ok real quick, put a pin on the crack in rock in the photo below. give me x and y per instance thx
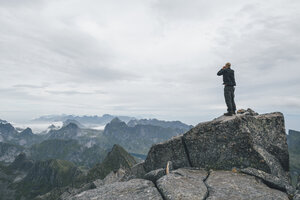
(207, 187)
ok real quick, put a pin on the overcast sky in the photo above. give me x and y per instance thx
(148, 58)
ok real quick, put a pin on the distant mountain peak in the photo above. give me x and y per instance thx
(118, 148)
(69, 131)
(162, 123)
(72, 121)
(3, 121)
(52, 126)
(107, 115)
(85, 120)
(21, 162)
(117, 158)
(72, 126)
(116, 120)
(7, 129)
(27, 131)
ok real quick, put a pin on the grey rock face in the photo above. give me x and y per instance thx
(257, 141)
(184, 184)
(135, 172)
(155, 175)
(135, 189)
(172, 150)
(237, 186)
(270, 180)
(113, 177)
(223, 144)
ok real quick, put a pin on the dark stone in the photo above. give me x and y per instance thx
(155, 175)
(135, 172)
(240, 141)
(172, 150)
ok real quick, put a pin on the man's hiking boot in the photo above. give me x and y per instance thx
(228, 114)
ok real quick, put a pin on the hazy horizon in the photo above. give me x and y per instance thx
(154, 59)
(291, 122)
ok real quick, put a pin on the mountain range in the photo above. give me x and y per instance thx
(85, 146)
(84, 120)
(26, 178)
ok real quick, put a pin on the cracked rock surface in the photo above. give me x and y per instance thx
(237, 186)
(183, 184)
(135, 189)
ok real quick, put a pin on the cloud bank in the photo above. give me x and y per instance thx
(147, 58)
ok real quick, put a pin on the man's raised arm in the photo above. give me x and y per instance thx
(221, 72)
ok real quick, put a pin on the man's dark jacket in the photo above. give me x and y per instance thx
(228, 76)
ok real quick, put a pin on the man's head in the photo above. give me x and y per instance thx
(228, 65)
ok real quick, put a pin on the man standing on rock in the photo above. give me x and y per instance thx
(229, 83)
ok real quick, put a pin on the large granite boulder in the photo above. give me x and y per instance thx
(243, 140)
(135, 189)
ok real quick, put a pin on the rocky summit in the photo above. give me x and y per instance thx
(244, 156)
(257, 141)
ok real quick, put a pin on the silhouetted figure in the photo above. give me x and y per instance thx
(229, 83)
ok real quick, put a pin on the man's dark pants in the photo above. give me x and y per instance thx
(229, 98)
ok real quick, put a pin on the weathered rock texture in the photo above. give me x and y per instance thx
(172, 150)
(257, 141)
(135, 189)
(271, 180)
(229, 185)
(135, 172)
(184, 184)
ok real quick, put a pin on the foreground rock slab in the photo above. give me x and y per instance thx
(184, 184)
(237, 186)
(270, 180)
(135, 189)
